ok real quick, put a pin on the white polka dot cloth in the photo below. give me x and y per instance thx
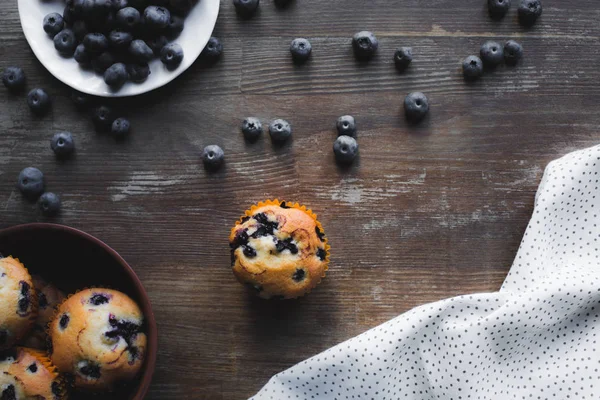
(534, 339)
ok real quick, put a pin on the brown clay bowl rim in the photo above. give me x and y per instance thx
(151, 353)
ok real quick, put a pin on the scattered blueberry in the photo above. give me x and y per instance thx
(213, 157)
(171, 55)
(280, 131)
(62, 144)
(492, 54)
(513, 52)
(345, 149)
(95, 42)
(498, 8)
(39, 102)
(365, 45)
(31, 183)
(346, 125)
(140, 51)
(416, 106)
(472, 67)
(49, 204)
(128, 18)
(53, 23)
(120, 127)
(120, 40)
(101, 62)
(175, 27)
(103, 117)
(403, 57)
(246, 8)
(13, 79)
(252, 129)
(300, 49)
(81, 101)
(116, 76)
(213, 49)
(82, 56)
(529, 11)
(156, 18)
(157, 43)
(80, 29)
(65, 42)
(138, 72)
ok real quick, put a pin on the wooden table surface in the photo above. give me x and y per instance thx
(429, 211)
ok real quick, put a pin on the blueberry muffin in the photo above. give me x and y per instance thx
(96, 336)
(10, 387)
(48, 298)
(279, 249)
(38, 378)
(18, 305)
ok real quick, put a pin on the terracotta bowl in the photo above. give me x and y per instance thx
(73, 260)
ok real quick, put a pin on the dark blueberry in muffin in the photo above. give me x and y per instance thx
(56, 388)
(31, 183)
(62, 144)
(24, 299)
(53, 23)
(345, 149)
(120, 40)
(513, 52)
(103, 117)
(416, 106)
(300, 49)
(157, 43)
(299, 275)
(49, 204)
(249, 251)
(65, 42)
(529, 12)
(171, 56)
(101, 62)
(81, 101)
(13, 78)
(492, 54)
(82, 56)
(322, 254)
(89, 369)
(33, 368)
(9, 393)
(286, 244)
(244, 220)
(283, 204)
(64, 321)
(280, 131)
(472, 67)
(128, 18)
(320, 234)
(213, 157)
(175, 27)
(246, 8)
(116, 75)
(99, 299)
(138, 72)
(346, 125)
(365, 45)
(213, 49)
(402, 58)
(120, 128)
(156, 19)
(241, 238)
(252, 129)
(140, 51)
(498, 8)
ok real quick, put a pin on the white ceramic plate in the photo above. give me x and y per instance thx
(198, 28)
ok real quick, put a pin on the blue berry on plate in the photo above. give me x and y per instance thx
(246, 8)
(213, 157)
(81, 101)
(13, 78)
(80, 29)
(82, 56)
(120, 40)
(498, 8)
(252, 129)
(402, 58)
(101, 9)
(213, 49)
(62, 144)
(157, 43)
(156, 18)
(49, 204)
(345, 149)
(365, 45)
(300, 49)
(116, 75)
(181, 7)
(95, 42)
(38, 101)
(140, 51)
(103, 117)
(31, 183)
(171, 55)
(513, 52)
(175, 27)
(119, 4)
(120, 127)
(65, 42)
(472, 67)
(346, 125)
(280, 131)
(53, 23)
(529, 12)
(69, 15)
(101, 62)
(492, 53)
(416, 106)
(128, 18)
(138, 72)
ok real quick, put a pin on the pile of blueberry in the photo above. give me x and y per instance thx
(118, 38)
(491, 55)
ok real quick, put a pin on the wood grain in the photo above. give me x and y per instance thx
(427, 212)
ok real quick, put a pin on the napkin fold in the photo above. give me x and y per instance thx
(536, 338)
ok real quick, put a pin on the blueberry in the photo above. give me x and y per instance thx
(513, 52)
(119, 4)
(345, 149)
(299, 275)
(213, 49)
(49, 204)
(128, 18)
(138, 72)
(416, 106)
(213, 157)
(80, 29)
(246, 8)
(116, 75)
(402, 58)
(102, 9)
(280, 131)
(69, 15)
(82, 56)
(64, 321)
(39, 102)
(98, 299)
(175, 27)
(103, 117)
(13, 79)
(81, 101)
(171, 55)
(31, 183)
(65, 42)
(529, 11)
(300, 49)
(472, 67)
(498, 8)
(140, 51)
(492, 54)
(252, 129)
(365, 44)
(62, 144)
(157, 43)
(53, 23)
(86, 9)
(120, 127)
(120, 40)
(156, 18)
(346, 125)
(101, 62)
(95, 43)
